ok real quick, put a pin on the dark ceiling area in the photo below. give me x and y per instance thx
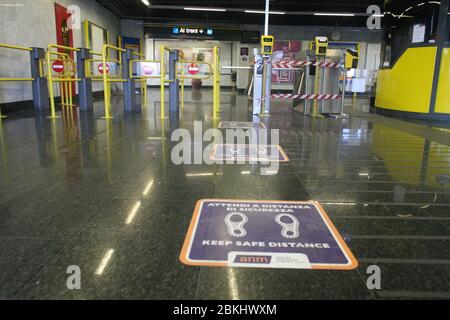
(297, 12)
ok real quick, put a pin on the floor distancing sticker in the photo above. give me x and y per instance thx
(249, 152)
(240, 125)
(264, 234)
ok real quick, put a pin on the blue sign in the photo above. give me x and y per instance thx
(175, 30)
(209, 32)
(249, 152)
(264, 234)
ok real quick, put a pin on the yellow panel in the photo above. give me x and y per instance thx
(443, 93)
(408, 85)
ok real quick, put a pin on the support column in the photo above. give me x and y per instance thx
(85, 101)
(39, 84)
(130, 101)
(174, 87)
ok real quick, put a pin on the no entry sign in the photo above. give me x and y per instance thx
(264, 234)
(193, 68)
(100, 68)
(58, 66)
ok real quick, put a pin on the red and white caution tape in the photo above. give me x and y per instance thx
(307, 96)
(301, 63)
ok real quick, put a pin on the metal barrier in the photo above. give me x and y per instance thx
(107, 79)
(56, 66)
(67, 66)
(143, 81)
(6, 46)
(65, 80)
(182, 65)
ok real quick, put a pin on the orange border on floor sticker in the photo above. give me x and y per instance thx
(184, 256)
(262, 125)
(280, 149)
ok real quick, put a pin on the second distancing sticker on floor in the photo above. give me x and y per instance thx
(264, 234)
(240, 125)
(248, 152)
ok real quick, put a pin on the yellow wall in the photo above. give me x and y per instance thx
(443, 93)
(397, 149)
(389, 143)
(408, 85)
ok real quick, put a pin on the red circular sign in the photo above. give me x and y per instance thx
(100, 68)
(58, 66)
(193, 68)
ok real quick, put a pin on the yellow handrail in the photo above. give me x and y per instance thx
(16, 79)
(8, 46)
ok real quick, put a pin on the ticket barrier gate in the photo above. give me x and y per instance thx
(65, 77)
(189, 70)
(56, 66)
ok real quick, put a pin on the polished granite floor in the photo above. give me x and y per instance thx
(67, 188)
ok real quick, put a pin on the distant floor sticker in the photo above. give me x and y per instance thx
(264, 234)
(240, 125)
(249, 152)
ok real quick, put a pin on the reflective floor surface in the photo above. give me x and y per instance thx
(105, 196)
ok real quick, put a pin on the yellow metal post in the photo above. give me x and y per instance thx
(105, 84)
(163, 80)
(86, 34)
(216, 89)
(50, 87)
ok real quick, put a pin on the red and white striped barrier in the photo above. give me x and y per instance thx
(307, 96)
(301, 63)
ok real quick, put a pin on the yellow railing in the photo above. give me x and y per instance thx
(8, 46)
(66, 80)
(107, 79)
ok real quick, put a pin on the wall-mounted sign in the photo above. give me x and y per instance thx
(194, 31)
(418, 33)
(189, 32)
(244, 51)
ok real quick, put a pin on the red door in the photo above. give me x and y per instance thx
(64, 35)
